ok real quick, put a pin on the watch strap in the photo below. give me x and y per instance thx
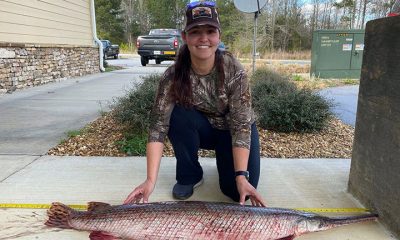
(242, 173)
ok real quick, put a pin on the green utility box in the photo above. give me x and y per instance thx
(337, 53)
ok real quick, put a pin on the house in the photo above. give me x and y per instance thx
(44, 41)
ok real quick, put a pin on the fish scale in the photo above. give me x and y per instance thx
(193, 220)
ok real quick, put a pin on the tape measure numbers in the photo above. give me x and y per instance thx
(84, 207)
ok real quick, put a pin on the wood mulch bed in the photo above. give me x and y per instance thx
(99, 137)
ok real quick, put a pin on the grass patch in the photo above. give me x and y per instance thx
(299, 74)
(133, 145)
(283, 55)
(74, 133)
(320, 83)
(111, 68)
(297, 78)
(351, 81)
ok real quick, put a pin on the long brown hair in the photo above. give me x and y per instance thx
(181, 89)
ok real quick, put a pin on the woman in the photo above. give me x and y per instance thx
(203, 101)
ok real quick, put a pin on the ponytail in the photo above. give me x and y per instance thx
(181, 89)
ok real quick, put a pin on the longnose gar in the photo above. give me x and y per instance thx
(192, 220)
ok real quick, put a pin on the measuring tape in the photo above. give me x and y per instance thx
(84, 207)
(334, 210)
(38, 206)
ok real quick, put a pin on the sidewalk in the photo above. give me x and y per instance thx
(287, 183)
(34, 120)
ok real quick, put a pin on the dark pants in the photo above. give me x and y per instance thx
(189, 131)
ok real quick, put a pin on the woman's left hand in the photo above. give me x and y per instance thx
(246, 189)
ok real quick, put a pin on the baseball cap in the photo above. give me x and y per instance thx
(201, 13)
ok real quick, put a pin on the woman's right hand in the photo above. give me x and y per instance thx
(143, 191)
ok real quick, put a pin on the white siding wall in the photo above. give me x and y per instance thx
(46, 22)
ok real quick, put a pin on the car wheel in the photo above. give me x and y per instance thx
(116, 56)
(144, 61)
(158, 61)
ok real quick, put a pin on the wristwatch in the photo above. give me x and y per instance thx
(242, 173)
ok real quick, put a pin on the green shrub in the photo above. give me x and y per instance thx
(134, 145)
(133, 111)
(127, 48)
(281, 106)
(266, 82)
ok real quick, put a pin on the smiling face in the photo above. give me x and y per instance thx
(202, 42)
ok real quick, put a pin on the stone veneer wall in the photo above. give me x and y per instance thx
(23, 65)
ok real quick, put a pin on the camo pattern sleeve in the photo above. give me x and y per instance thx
(241, 114)
(162, 109)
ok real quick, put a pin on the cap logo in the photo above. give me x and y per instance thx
(199, 12)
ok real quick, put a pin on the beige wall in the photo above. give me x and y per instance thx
(46, 22)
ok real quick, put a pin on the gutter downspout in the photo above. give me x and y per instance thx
(93, 17)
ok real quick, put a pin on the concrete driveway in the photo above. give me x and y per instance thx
(34, 120)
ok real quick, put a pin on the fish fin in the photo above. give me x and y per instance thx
(96, 206)
(287, 238)
(98, 235)
(59, 215)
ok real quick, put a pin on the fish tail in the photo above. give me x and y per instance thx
(339, 221)
(59, 215)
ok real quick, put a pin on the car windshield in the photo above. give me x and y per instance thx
(104, 43)
(164, 32)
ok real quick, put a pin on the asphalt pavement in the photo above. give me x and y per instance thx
(345, 101)
(35, 119)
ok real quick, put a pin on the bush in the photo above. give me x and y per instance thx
(269, 82)
(133, 145)
(133, 109)
(127, 48)
(281, 106)
(133, 112)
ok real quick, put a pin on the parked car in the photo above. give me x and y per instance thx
(395, 10)
(110, 50)
(159, 44)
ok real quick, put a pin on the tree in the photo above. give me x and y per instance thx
(231, 21)
(347, 19)
(364, 9)
(165, 14)
(108, 20)
(380, 8)
(282, 25)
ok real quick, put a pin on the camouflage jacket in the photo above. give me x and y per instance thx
(229, 109)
